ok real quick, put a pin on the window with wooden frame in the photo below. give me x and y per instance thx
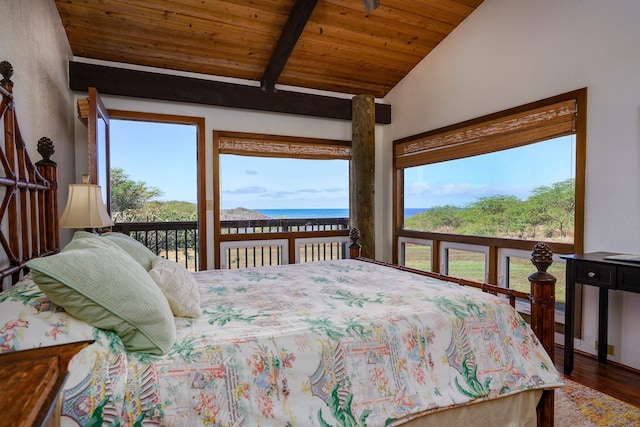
(169, 149)
(502, 181)
(252, 171)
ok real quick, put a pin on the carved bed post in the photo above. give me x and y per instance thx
(10, 201)
(543, 318)
(354, 246)
(49, 208)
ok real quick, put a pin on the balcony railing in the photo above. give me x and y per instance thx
(177, 240)
(282, 225)
(247, 243)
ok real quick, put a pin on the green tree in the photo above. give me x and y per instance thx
(554, 206)
(131, 201)
(445, 219)
(549, 208)
(491, 216)
(128, 197)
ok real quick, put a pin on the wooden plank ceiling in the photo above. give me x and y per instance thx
(340, 48)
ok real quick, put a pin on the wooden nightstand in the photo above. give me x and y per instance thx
(30, 383)
(596, 269)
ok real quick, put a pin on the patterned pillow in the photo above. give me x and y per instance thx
(178, 285)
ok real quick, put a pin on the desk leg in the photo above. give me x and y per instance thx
(603, 319)
(569, 316)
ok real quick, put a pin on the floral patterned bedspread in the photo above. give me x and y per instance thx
(331, 343)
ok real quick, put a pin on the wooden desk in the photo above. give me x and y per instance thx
(593, 270)
(30, 382)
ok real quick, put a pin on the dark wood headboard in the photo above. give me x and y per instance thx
(28, 193)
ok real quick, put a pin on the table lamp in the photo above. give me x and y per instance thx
(85, 208)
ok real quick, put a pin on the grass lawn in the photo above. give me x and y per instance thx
(471, 265)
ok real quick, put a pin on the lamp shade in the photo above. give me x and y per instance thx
(85, 208)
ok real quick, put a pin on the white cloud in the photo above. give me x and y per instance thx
(420, 187)
(246, 190)
(422, 194)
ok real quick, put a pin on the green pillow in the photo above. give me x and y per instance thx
(97, 240)
(109, 290)
(137, 250)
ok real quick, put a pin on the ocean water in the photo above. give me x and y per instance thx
(305, 213)
(320, 213)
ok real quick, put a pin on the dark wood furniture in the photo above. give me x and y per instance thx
(594, 270)
(31, 381)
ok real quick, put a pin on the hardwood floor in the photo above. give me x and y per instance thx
(615, 380)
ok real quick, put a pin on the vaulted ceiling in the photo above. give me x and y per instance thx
(332, 45)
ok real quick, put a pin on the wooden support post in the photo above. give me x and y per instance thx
(543, 318)
(362, 176)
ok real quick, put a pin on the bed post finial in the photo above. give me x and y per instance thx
(6, 69)
(543, 303)
(45, 148)
(542, 256)
(354, 246)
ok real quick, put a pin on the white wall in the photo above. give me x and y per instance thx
(33, 40)
(511, 52)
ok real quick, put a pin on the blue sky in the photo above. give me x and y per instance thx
(164, 156)
(272, 183)
(510, 172)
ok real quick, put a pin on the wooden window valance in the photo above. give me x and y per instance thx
(500, 133)
(245, 144)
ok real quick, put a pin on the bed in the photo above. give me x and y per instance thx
(349, 342)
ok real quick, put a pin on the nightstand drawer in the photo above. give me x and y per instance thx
(628, 279)
(590, 273)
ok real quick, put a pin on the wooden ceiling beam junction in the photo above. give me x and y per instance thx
(300, 14)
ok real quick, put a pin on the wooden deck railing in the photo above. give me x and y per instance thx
(274, 225)
(247, 243)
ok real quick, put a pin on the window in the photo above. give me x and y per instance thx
(465, 261)
(157, 183)
(141, 153)
(500, 182)
(415, 253)
(290, 186)
(498, 194)
(515, 267)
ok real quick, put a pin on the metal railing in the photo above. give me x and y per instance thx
(246, 243)
(294, 247)
(176, 240)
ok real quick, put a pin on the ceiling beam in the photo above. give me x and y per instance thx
(167, 87)
(298, 18)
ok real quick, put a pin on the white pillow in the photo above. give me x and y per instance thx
(178, 285)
